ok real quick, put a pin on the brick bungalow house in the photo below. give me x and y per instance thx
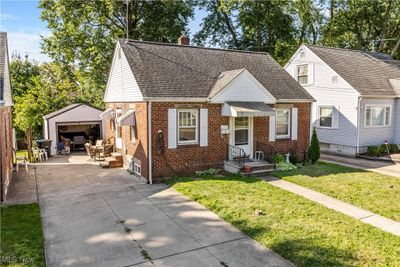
(200, 107)
(6, 130)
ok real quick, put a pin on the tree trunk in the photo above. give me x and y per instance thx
(396, 47)
(331, 9)
(29, 143)
(383, 33)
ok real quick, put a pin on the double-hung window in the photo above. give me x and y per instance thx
(378, 116)
(118, 113)
(282, 123)
(325, 117)
(302, 74)
(187, 126)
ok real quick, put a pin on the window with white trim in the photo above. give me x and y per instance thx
(137, 169)
(118, 129)
(132, 130)
(378, 116)
(283, 123)
(325, 116)
(302, 74)
(187, 126)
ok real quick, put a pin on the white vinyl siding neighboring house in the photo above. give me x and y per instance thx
(122, 85)
(329, 92)
(369, 135)
(347, 133)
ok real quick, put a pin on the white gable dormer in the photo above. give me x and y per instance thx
(122, 85)
(240, 85)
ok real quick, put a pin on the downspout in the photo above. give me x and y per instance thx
(149, 143)
(358, 125)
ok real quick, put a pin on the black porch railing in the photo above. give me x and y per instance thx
(237, 154)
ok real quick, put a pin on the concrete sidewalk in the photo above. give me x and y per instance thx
(107, 217)
(365, 216)
(382, 167)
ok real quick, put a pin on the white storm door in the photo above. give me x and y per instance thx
(243, 132)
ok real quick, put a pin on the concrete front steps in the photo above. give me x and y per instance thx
(115, 161)
(257, 168)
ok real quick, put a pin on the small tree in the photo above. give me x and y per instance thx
(313, 150)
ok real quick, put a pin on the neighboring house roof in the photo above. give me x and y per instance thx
(168, 70)
(5, 83)
(367, 72)
(60, 111)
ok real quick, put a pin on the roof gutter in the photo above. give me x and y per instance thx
(379, 96)
(175, 99)
(295, 100)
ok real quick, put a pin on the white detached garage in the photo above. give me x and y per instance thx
(78, 122)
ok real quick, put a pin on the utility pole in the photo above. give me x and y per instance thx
(127, 19)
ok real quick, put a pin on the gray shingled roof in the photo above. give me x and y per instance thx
(62, 110)
(367, 72)
(168, 70)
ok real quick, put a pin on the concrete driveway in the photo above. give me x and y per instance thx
(106, 217)
(388, 168)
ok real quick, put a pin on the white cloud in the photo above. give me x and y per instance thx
(5, 17)
(24, 42)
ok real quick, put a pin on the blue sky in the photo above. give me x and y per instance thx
(21, 20)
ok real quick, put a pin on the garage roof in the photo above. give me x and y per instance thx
(64, 109)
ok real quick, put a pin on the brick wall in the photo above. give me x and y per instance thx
(5, 148)
(261, 133)
(186, 159)
(139, 148)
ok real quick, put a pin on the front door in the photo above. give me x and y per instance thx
(243, 132)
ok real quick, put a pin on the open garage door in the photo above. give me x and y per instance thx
(76, 134)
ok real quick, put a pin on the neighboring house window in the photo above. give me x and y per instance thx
(282, 123)
(302, 74)
(187, 126)
(118, 128)
(325, 116)
(133, 133)
(137, 169)
(378, 116)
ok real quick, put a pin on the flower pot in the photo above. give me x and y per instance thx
(247, 169)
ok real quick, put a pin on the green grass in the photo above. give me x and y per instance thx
(21, 236)
(372, 191)
(301, 231)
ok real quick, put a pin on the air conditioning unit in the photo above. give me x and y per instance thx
(130, 165)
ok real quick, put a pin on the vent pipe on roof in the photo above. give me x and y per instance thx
(184, 39)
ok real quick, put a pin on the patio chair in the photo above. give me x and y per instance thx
(62, 149)
(18, 160)
(99, 143)
(78, 141)
(90, 151)
(35, 154)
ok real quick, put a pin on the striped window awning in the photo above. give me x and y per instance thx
(127, 119)
(107, 114)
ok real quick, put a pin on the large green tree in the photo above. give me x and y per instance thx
(83, 33)
(22, 73)
(46, 92)
(361, 24)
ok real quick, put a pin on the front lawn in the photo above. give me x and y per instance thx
(301, 231)
(21, 236)
(372, 191)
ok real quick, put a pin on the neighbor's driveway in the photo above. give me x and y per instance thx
(106, 217)
(388, 168)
